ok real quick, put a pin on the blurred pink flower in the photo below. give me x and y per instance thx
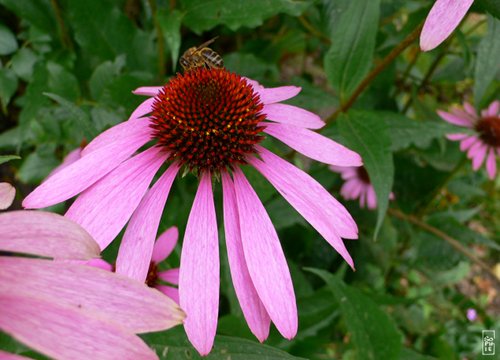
(66, 310)
(471, 314)
(7, 195)
(210, 122)
(482, 141)
(357, 185)
(443, 18)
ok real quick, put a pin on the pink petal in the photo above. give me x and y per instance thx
(274, 95)
(148, 90)
(494, 108)
(362, 198)
(136, 248)
(371, 198)
(468, 142)
(314, 145)
(469, 109)
(104, 209)
(65, 332)
(254, 311)
(112, 297)
(144, 108)
(454, 119)
(352, 188)
(456, 137)
(170, 291)
(443, 18)
(45, 234)
(127, 131)
(100, 264)
(165, 244)
(308, 197)
(199, 270)
(474, 149)
(265, 259)
(478, 158)
(171, 276)
(89, 169)
(73, 156)
(8, 356)
(292, 115)
(7, 195)
(491, 164)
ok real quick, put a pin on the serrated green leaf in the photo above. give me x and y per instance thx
(103, 75)
(174, 345)
(170, 24)
(406, 132)
(205, 15)
(62, 82)
(23, 62)
(487, 60)
(8, 42)
(374, 333)
(36, 167)
(367, 134)
(8, 86)
(5, 158)
(353, 43)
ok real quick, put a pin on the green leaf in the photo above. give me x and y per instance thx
(8, 86)
(62, 82)
(492, 6)
(8, 42)
(205, 15)
(406, 132)
(170, 24)
(103, 76)
(37, 12)
(174, 345)
(6, 158)
(36, 167)
(23, 62)
(374, 334)
(366, 133)
(487, 60)
(353, 42)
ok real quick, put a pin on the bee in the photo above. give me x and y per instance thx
(201, 56)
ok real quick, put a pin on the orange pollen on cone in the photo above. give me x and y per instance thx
(489, 130)
(208, 119)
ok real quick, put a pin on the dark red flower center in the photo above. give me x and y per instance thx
(489, 130)
(152, 277)
(363, 174)
(207, 119)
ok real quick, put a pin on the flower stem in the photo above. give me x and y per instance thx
(63, 32)
(160, 40)
(450, 240)
(377, 70)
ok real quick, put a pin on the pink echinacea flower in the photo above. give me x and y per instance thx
(443, 18)
(482, 141)
(209, 122)
(357, 185)
(67, 310)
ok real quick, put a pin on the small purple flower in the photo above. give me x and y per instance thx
(471, 314)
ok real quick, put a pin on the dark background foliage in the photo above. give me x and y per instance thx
(67, 69)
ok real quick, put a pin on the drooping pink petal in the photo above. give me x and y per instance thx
(371, 198)
(274, 95)
(73, 156)
(165, 244)
(474, 149)
(136, 248)
(112, 297)
(494, 108)
(7, 195)
(134, 129)
(45, 234)
(362, 198)
(478, 158)
(64, 332)
(104, 209)
(80, 175)
(170, 291)
(292, 115)
(265, 259)
(254, 311)
(148, 90)
(199, 270)
(8, 356)
(171, 276)
(454, 119)
(443, 18)
(352, 188)
(491, 164)
(466, 143)
(469, 109)
(329, 217)
(456, 137)
(144, 108)
(314, 145)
